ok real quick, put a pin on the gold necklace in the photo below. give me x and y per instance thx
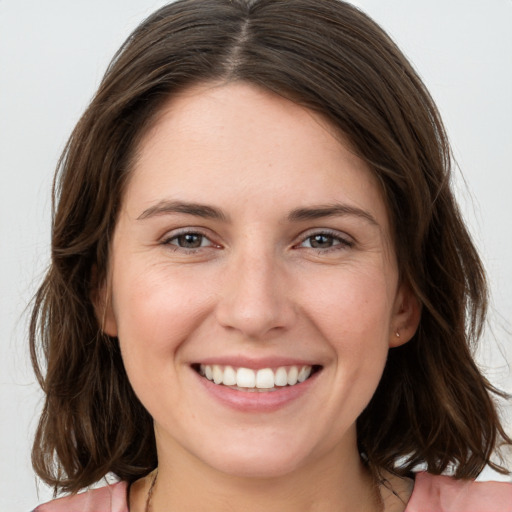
(150, 492)
(147, 508)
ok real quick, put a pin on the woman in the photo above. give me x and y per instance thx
(262, 294)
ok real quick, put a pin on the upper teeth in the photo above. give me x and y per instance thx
(264, 378)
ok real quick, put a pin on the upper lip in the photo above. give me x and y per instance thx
(256, 363)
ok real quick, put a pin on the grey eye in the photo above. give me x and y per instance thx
(322, 241)
(190, 241)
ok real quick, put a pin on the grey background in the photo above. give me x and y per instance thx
(52, 56)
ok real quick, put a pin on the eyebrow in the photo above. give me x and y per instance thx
(168, 207)
(330, 210)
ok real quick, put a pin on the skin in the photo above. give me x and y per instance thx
(259, 285)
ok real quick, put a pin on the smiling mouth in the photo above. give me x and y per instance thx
(262, 380)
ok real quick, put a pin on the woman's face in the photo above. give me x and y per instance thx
(252, 245)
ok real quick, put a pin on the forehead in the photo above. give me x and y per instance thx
(213, 140)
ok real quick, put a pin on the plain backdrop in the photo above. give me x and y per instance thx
(52, 56)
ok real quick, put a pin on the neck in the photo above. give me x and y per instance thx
(338, 482)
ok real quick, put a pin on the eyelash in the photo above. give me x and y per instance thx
(338, 242)
(187, 232)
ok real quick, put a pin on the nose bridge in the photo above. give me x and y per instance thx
(254, 300)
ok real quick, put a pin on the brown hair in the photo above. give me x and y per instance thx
(432, 404)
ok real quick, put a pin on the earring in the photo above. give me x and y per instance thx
(397, 334)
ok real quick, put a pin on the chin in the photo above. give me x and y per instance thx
(257, 459)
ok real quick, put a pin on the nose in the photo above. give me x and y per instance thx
(256, 299)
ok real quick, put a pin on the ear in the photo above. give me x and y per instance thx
(101, 298)
(406, 316)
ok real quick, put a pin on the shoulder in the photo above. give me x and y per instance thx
(111, 498)
(445, 494)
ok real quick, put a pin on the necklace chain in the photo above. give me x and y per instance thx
(147, 508)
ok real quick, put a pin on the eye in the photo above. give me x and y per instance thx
(188, 240)
(325, 240)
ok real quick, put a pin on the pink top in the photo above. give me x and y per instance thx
(431, 494)
(444, 494)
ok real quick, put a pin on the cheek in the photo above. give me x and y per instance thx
(155, 312)
(354, 316)
(354, 308)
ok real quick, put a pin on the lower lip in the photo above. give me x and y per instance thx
(257, 401)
